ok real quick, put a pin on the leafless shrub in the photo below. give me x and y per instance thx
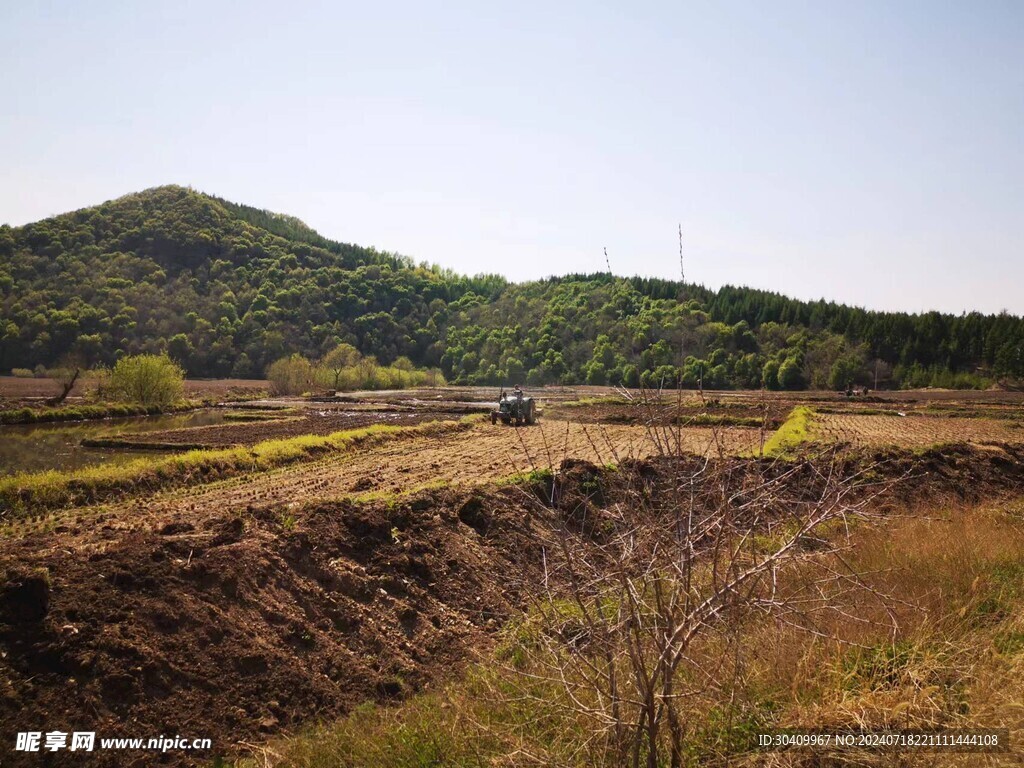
(651, 575)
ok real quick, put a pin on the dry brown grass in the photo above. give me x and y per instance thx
(944, 649)
(953, 656)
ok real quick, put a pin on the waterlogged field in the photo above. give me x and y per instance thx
(58, 445)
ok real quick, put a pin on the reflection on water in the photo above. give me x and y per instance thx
(37, 447)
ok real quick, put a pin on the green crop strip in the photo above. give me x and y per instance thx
(796, 430)
(25, 494)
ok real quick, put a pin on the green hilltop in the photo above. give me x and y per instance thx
(226, 289)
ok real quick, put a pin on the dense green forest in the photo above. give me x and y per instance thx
(227, 289)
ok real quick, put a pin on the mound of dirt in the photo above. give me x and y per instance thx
(251, 624)
(965, 472)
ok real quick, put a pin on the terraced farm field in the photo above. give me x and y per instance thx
(468, 457)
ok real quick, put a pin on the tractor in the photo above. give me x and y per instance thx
(516, 409)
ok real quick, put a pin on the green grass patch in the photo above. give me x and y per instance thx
(878, 668)
(855, 411)
(1009, 643)
(729, 730)
(1008, 574)
(25, 494)
(86, 412)
(722, 420)
(257, 415)
(392, 498)
(530, 477)
(795, 431)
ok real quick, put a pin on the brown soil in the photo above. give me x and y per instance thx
(686, 412)
(914, 430)
(409, 462)
(251, 432)
(245, 624)
(559, 394)
(239, 624)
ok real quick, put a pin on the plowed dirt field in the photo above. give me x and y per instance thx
(466, 457)
(914, 431)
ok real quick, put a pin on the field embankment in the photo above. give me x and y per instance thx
(946, 651)
(88, 412)
(244, 624)
(243, 620)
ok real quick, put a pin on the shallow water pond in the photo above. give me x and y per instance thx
(57, 445)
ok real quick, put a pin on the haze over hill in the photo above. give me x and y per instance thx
(226, 289)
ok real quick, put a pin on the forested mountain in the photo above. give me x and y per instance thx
(226, 289)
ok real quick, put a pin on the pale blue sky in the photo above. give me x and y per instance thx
(868, 152)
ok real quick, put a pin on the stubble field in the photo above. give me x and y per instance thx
(915, 431)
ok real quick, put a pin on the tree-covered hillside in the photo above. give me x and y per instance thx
(227, 289)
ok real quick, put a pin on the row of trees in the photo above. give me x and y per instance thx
(345, 369)
(227, 290)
